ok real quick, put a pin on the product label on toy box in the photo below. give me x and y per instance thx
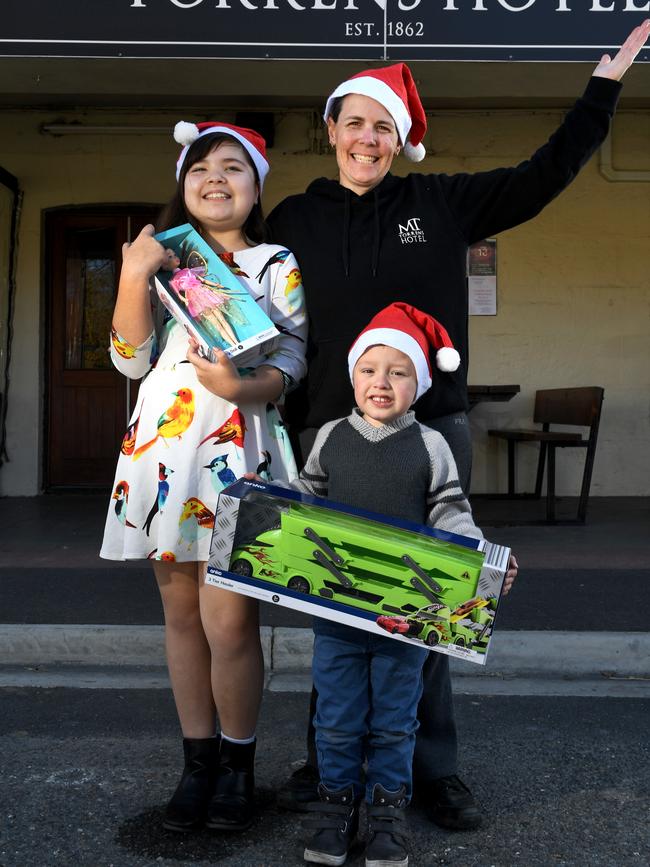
(393, 578)
(210, 302)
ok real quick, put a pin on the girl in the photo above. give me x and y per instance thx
(197, 426)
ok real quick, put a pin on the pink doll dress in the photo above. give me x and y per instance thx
(199, 298)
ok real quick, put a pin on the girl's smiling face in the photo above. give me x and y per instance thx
(220, 190)
(366, 142)
(385, 384)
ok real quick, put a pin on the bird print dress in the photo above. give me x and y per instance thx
(183, 444)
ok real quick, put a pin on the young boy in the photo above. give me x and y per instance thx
(378, 458)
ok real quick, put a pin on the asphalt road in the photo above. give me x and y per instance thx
(565, 782)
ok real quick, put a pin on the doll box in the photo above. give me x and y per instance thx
(211, 302)
(390, 577)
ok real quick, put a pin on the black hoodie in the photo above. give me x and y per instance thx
(407, 240)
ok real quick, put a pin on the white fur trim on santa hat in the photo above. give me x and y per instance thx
(191, 133)
(447, 359)
(398, 340)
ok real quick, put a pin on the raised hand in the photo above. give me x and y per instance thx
(616, 67)
(144, 256)
(140, 260)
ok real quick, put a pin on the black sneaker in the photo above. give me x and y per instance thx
(335, 826)
(450, 804)
(386, 846)
(300, 789)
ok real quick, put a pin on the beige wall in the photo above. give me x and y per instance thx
(573, 285)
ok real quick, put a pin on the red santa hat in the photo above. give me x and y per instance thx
(394, 88)
(412, 332)
(187, 133)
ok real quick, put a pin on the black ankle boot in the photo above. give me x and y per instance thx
(386, 844)
(188, 807)
(233, 806)
(335, 826)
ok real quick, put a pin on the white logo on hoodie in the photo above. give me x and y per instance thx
(411, 233)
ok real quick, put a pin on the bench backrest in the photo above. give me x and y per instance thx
(579, 406)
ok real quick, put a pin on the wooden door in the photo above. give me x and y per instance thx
(88, 401)
(10, 197)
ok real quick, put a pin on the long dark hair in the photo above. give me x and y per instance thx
(175, 213)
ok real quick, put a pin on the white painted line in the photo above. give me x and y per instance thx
(603, 687)
(85, 677)
(130, 677)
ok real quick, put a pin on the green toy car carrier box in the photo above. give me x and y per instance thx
(387, 576)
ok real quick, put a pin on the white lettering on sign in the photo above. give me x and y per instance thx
(402, 5)
(360, 28)
(450, 6)
(562, 5)
(510, 8)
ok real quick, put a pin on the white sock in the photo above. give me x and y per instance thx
(238, 740)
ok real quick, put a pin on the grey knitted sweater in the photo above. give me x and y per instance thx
(401, 469)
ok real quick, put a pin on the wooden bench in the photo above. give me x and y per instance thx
(566, 406)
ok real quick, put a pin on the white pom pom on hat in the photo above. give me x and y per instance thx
(415, 153)
(187, 133)
(414, 333)
(447, 359)
(394, 88)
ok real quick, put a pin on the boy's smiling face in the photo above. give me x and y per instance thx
(385, 384)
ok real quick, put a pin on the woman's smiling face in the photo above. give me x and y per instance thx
(366, 142)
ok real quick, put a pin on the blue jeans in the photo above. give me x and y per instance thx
(368, 692)
(437, 743)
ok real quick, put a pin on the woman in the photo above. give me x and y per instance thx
(368, 237)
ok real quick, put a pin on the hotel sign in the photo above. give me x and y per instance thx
(555, 30)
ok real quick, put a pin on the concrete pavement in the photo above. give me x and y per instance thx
(576, 610)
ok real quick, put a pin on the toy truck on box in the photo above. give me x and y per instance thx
(419, 587)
